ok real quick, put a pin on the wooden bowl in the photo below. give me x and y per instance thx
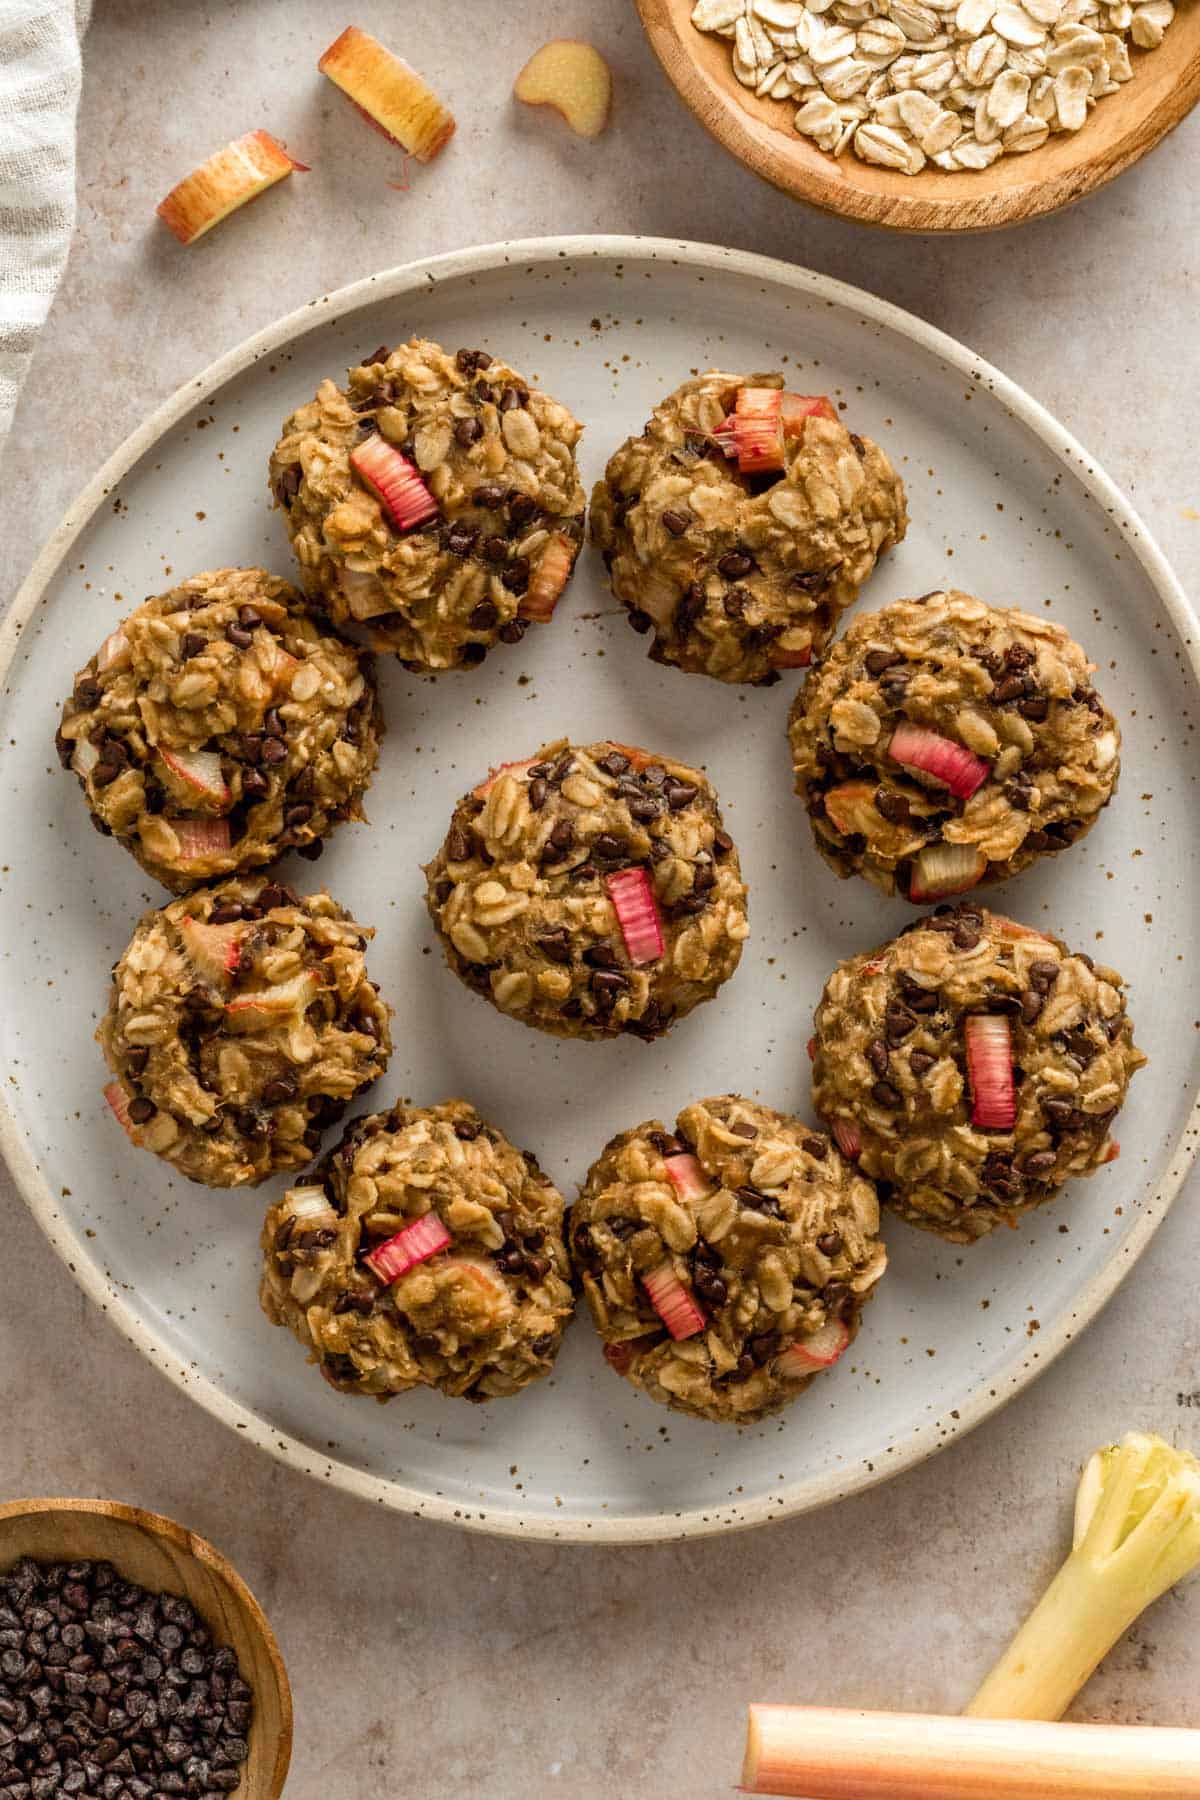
(162, 1557)
(760, 133)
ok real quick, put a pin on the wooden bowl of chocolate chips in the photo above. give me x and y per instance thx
(1147, 83)
(134, 1660)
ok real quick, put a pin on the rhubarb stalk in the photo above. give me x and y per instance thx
(1137, 1532)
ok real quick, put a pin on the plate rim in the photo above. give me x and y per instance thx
(805, 1494)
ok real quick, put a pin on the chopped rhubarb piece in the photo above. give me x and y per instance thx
(307, 1204)
(84, 758)
(847, 1137)
(795, 408)
(199, 838)
(944, 869)
(1112, 1153)
(638, 759)
(672, 1302)
(690, 1181)
(792, 659)
(619, 1356)
(811, 1047)
(852, 808)
(757, 430)
(1009, 928)
(516, 769)
(637, 914)
(238, 172)
(254, 1012)
(416, 1243)
(574, 79)
(394, 482)
(953, 764)
(198, 773)
(819, 1351)
(214, 951)
(388, 93)
(548, 580)
(990, 1071)
(114, 652)
(118, 1099)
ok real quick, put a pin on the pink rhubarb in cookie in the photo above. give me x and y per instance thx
(688, 1178)
(416, 1243)
(637, 915)
(672, 1302)
(940, 757)
(990, 1071)
(548, 580)
(820, 1350)
(942, 870)
(394, 481)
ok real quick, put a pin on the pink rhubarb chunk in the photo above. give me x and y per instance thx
(672, 1302)
(416, 1243)
(214, 951)
(618, 1356)
(990, 1071)
(637, 914)
(199, 772)
(689, 1179)
(515, 769)
(847, 1138)
(118, 1099)
(254, 1012)
(199, 838)
(756, 428)
(795, 408)
(959, 768)
(792, 659)
(548, 580)
(820, 1351)
(394, 482)
(944, 869)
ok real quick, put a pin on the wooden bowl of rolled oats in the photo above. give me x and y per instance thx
(932, 115)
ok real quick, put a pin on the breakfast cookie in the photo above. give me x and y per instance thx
(971, 1067)
(221, 725)
(240, 1023)
(423, 1251)
(944, 743)
(434, 500)
(728, 1261)
(741, 523)
(590, 891)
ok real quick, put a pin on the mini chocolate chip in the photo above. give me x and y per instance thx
(744, 1129)
(641, 621)
(562, 836)
(141, 1109)
(1040, 1162)
(675, 522)
(483, 616)
(466, 431)
(1036, 710)
(311, 852)
(191, 644)
(514, 630)
(298, 815)
(884, 1094)
(919, 1061)
(893, 807)
(879, 660)
(521, 507)
(488, 495)
(1011, 688)
(877, 1056)
(278, 1093)
(610, 848)
(274, 750)
(734, 564)
(239, 636)
(829, 1243)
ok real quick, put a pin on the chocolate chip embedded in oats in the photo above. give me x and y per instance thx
(240, 1021)
(496, 458)
(725, 1264)
(949, 1158)
(968, 779)
(190, 745)
(590, 891)
(677, 522)
(457, 1280)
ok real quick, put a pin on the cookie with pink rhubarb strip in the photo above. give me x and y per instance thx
(433, 502)
(944, 743)
(741, 523)
(240, 1023)
(221, 725)
(424, 1250)
(972, 1066)
(726, 1263)
(590, 891)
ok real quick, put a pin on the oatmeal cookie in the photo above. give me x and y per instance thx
(240, 1023)
(590, 891)
(944, 743)
(727, 1262)
(434, 500)
(972, 1066)
(423, 1251)
(221, 725)
(741, 523)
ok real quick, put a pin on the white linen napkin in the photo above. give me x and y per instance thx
(39, 94)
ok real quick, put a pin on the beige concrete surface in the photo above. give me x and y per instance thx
(442, 1667)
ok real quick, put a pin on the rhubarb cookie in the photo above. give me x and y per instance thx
(972, 1066)
(728, 1261)
(240, 1023)
(423, 1251)
(590, 891)
(945, 743)
(221, 725)
(741, 523)
(434, 500)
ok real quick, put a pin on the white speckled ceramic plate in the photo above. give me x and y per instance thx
(1003, 503)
